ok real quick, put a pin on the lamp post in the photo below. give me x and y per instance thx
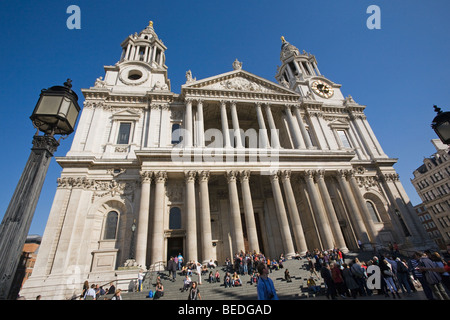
(56, 112)
(441, 125)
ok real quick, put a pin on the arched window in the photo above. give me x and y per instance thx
(111, 225)
(373, 212)
(175, 218)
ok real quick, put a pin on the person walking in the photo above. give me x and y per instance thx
(172, 267)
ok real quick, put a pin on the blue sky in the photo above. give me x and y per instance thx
(399, 71)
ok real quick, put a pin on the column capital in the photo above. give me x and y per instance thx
(274, 176)
(285, 175)
(200, 100)
(146, 176)
(160, 176)
(309, 174)
(189, 176)
(231, 175)
(244, 175)
(203, 176)
(341, 173)
(189, 100)
(320, 174)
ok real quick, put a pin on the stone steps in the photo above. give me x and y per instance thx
(296, 289)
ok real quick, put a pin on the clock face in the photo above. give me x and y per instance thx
(322, 89)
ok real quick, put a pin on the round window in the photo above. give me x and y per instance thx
(134, 75)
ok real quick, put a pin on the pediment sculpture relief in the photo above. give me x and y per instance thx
(239, 84)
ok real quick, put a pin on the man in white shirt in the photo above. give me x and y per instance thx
(90, 293)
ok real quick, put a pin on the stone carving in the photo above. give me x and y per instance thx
(237, 65)
(100, 83)
(189, 78)
(239, 84)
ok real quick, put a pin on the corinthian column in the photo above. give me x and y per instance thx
(157, 255)
(205, 219)
(263, 136)
(282, 217)
(201, 125)
(236, 128)
(224, 120)
(188, 124)
(293, 212)
(293, 128)
(249, 213)
(191, 219)
(275, 141)
(144, 213)
(332, 217)
(362, 204)
(322, 222)
(302, 127)
(354, 214)
(237, 232)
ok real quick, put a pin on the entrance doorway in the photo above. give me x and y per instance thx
(174, 247)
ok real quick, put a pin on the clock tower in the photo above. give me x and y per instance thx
(299, 72)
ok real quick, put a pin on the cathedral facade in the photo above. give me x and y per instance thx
(233, 163)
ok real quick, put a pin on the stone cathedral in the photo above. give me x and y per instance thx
(233, 163)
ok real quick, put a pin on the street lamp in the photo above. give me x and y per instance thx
(441, 125)
(56, 112)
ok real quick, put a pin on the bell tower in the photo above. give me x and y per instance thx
(299, 72)
(141, 65)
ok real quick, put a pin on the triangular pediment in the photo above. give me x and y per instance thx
(126, 115)
(239, 80)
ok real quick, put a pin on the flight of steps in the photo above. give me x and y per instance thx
(297, 289)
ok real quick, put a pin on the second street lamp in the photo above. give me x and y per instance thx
(441, 125)
(55, 113)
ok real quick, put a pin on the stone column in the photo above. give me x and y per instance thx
(357, 223)
(201, 125)
(297, 227)
(237, 232)
(362, 204)
(293, 128)
(236, 128)
(205, 217)
(302, 127)
(191, 217)
(249, 213)
(188, 124)
(275, 141)
(157, 254)
(263, 136)
(144, 213)
(224, 120)
(332, 217)
(322, 222)
(282, 217)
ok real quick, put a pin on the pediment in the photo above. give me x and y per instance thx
(126, 115)
(239, 80)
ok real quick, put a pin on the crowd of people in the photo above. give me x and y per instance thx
(97, 292)
(426, 270)
(343, 277)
